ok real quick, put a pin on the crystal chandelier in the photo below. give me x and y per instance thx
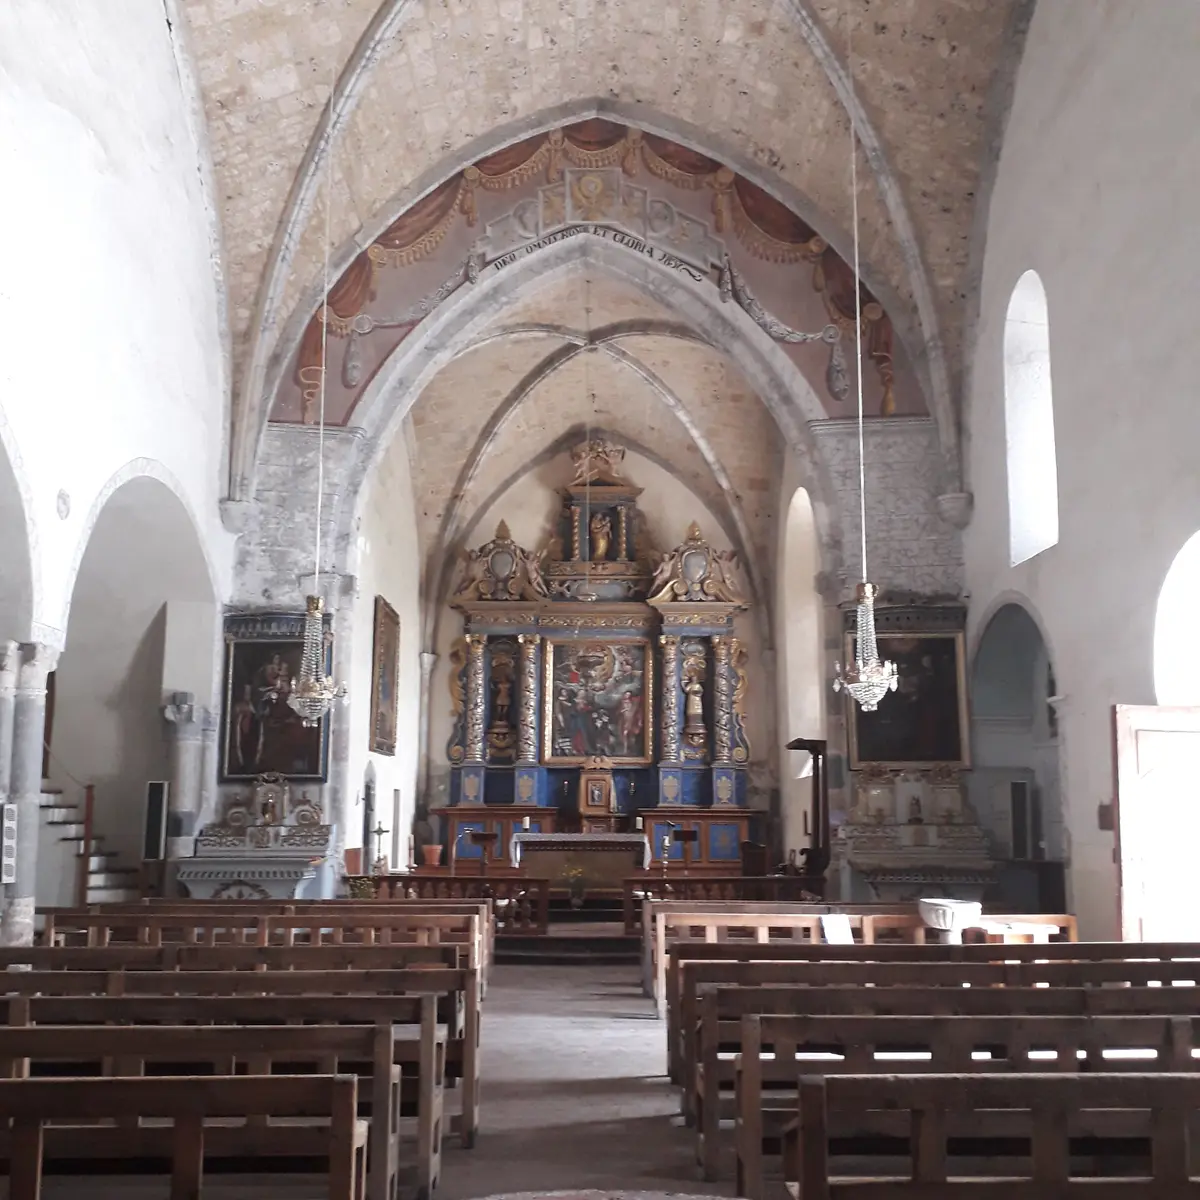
(869, 679)
(313, 693)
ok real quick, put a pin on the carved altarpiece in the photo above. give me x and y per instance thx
(600, 650)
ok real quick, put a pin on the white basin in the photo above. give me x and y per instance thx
(950, 917)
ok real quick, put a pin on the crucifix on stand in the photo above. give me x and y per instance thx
(380, 866)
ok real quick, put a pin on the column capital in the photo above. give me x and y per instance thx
(529, 639)
(10, 658)
(36, 661)
(428, 662)
(477, 640)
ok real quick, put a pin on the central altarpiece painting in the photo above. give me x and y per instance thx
(599, 686)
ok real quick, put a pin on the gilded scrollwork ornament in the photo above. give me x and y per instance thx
(739, 658)
(457, 683)
(695, 572)
(500, 570)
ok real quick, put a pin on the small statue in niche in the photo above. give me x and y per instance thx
(914, 811)
(501, 736)
(600, 531)
(694, 730)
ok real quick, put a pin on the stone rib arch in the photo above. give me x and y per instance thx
(458, 323)
(137, 468)
(604, 341)
(267, 362)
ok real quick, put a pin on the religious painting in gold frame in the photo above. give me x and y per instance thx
(384, 678)
(923, 723)
(598, 702)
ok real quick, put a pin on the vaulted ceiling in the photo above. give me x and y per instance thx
(426, 86)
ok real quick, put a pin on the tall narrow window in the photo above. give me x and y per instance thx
(1029, 423)
(1174, 642)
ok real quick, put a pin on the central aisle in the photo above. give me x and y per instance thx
(574, 1090)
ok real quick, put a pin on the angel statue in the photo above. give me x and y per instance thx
(597, 461)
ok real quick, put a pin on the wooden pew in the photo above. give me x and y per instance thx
(1046, 1109)
(777, 1050)
(765, 925)
(678, 953)
(67, 997)
(182, 957)
(521, 903)
(702, 890)
(32, 1105)
(206, 928)
(367, 1051)
(484, 906)
(668, 922)
(696, 975)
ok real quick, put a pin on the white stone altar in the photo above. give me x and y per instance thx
(910, 834)
(267, 848)
(580, 842)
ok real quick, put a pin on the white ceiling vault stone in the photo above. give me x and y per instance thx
(760, 84)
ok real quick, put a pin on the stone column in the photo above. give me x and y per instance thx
(670, 698)
(723, 701)
(9, 658)
(527, 749)
(428, 662)
(210, 763)
(25, 782)
(476, 701)
(185, 757)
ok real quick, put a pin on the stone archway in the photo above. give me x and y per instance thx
(1015, 784)
(143, 631)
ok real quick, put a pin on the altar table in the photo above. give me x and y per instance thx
(596, 861)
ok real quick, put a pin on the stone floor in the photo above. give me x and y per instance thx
(574, 1097)
(575, 1094)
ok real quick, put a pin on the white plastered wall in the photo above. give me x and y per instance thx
(800, 655)
(389, 566)
(1095, 188)
(109, 289)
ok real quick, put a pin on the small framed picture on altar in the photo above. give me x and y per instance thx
(598, 701)
(923, 723)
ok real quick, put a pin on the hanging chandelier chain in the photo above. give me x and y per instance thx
(862, 457)
(324, 342)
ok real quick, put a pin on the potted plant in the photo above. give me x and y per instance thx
(573, 876)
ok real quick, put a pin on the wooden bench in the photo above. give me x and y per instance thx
(367, 1051)
(899, 952)
(701, 891)
(521, 904)
(883, 976)
(60, 918)
(669, 923)
(182, 957)
(1045, 1110)
(92, 998)
(193, 1106)
(777, 1050)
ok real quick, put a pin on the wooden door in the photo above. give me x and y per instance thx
(1157, 821)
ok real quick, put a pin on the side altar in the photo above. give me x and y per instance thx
(600, 682)
(269, 846)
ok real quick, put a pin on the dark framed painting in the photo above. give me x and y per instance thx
(923, 723)
(598, 700)
(260, 732)
(385, 670)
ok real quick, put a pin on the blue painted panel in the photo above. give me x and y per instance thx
(723, 841)
(465, 847)
(695, 787)
(657, 831)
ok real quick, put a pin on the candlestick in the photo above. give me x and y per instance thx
(638, 824)
(411, 850)
(525, 823)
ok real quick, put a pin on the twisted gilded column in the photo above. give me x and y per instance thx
(476, 645)
(527, 749)
(670, 699)
(723, 700)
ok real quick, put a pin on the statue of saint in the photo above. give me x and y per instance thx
(600, 530)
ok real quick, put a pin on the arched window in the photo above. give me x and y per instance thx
(1029, 423)
(1174, 656)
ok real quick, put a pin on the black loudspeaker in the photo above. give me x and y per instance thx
(154, 837)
